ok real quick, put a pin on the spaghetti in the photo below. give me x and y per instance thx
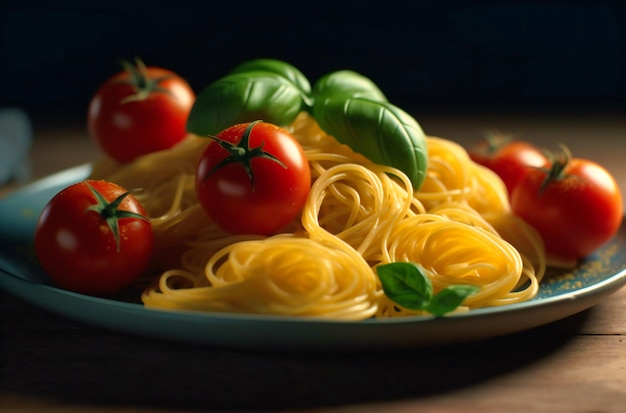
(359, 215)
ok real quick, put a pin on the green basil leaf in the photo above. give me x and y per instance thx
(450, 298)
(347, 83)
(405, 284)
(278, 67)
(380, 131)
(244, 97)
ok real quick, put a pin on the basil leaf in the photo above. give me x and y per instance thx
(244, 97)
(347, 83)
(380, 131)
(405, 284)
(450, 298)
(278, 67)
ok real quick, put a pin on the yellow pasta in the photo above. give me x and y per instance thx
(359, 215)
(278, 275)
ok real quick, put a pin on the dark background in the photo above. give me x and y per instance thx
(426, 55)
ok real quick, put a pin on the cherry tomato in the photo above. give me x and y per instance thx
(93, 237)
(139, 110)
(509, 159)
(254, 178)
(575, 204)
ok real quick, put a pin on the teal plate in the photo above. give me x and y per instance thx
(564, 294)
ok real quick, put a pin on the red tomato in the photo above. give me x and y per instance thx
(509, 159)
(254, 178)
(76, 241)
(576, 205)
(138, 111)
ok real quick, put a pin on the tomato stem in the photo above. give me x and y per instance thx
(243, 154)
(141, 81)
(559, 163)
(110, 212)
(496, 141)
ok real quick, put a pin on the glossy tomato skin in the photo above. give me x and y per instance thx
(575, 214)
(77, 249)
(270, 201)
(124, 129)
(509, 160)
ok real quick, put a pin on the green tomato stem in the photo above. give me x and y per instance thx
(141, 82)
(556, 172)
(110, 212)
(243, 154)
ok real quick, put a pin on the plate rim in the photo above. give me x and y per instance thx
(611, 283)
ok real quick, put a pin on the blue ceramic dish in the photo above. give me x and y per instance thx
(562, 295)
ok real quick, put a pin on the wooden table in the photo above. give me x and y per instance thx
(51, 364)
